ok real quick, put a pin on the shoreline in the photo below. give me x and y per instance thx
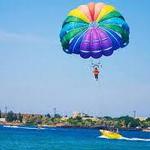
(75, 121)
(69, 126)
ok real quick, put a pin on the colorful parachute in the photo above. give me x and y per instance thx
(94, 30)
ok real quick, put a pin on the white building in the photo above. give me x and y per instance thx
(2, 120)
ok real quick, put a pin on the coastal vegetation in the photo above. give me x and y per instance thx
(78, 120)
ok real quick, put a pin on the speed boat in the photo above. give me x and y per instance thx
(110, 134)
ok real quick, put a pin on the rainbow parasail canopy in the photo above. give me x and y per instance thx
(94, 30)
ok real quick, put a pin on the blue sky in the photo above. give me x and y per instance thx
(36, 75)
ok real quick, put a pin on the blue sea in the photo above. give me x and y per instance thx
(32, 138)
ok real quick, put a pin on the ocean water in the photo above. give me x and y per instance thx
(31, 138)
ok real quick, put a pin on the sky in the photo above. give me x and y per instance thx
(37, 76)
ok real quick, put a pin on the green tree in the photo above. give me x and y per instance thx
(129, 122)
(10, 116)
(107, 118)
(20, 117)
(15, 117)
(0, 114)
(148, 119)
(57, 116)
(48, 115)
(76, 121)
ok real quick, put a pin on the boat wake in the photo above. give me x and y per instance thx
(27, 128)
(128, 139)
(135, 139)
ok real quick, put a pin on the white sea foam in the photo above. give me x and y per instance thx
(5, 126)
(135, 139)
(28, 128)
(128, 139)
(32, 128)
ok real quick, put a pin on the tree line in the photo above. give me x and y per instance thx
(78, 121)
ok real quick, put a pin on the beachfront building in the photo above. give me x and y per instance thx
(2, 120)
(82, 115)
(141, 118)
(76, 114)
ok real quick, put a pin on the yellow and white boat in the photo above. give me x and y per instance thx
(110, 134)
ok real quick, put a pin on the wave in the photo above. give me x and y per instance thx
(135, 139)
(32, 128)
(10, 126)
(28, 128)
(128, 139)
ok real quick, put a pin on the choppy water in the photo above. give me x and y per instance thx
(31, 138)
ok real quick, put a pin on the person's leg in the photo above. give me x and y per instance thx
(96, 76)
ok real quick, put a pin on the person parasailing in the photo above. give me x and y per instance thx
(94, 30)
(96, 73)
(96, 70)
